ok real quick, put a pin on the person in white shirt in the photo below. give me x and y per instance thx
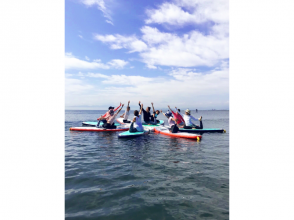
(125, 115)
(137, 121)
(188, 121)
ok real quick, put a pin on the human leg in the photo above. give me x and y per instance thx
(132, 129)
(174, 129)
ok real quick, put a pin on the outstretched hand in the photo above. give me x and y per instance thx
(139, 102)
(168, 106)
(128, 102)
(151, 103)
(122, 105)
(161, 110)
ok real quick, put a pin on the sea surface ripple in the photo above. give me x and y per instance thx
(149, 177)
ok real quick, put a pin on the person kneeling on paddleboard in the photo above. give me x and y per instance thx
(125, 115)
(107, 114)
(137, 121)
(188, 121)
(172, 122)
(110, 119)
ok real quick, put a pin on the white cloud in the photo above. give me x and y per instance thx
(109, 22)
(80, 36)
(118, 64)
(87, 58)
(101, 6)
(97, 75)
(76, 86)
(183, 87)
(182, 12)
(118, 42)
(191, 49)
(72, 62)
(125, 80)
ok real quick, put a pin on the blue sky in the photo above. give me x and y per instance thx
(167, 52)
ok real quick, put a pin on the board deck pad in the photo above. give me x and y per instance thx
(161, 122)
(119, 128)
(165, 131)
(94, 123)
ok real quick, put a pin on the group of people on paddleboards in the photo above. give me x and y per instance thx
(176, 119)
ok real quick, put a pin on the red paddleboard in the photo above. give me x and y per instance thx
(165, 131)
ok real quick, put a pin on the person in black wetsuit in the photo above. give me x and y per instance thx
(148, 118)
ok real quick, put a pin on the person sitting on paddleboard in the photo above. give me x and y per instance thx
(147, 115)
(188, 121)
(172, 122)
(137, 121)
(107, 114)
(177, 115)
(154, 115)
(125, 115)
(110, 119)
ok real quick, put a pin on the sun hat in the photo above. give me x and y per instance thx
(188, 111)
(110, 107)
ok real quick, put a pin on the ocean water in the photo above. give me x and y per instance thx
(149, 177)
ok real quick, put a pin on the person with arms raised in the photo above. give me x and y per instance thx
(146, 115)
(177, 115)
(172, 122)
(125, 115)
(110, 119)
(107, 114)
(154, 115)
(137, 121)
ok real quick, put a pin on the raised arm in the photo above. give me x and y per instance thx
(117, 107)
(170, 110)
(128, 104)
(162, 112)
(141, 108)
(152, 107)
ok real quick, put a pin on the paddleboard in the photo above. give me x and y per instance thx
(204, 130)
(94, 123)
(127, 134)
(120, 128)
(165, 131)
(161, 122)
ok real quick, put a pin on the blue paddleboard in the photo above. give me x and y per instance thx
(127, 134)
(94, 123)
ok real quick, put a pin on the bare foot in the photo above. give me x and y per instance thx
(200, 119)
